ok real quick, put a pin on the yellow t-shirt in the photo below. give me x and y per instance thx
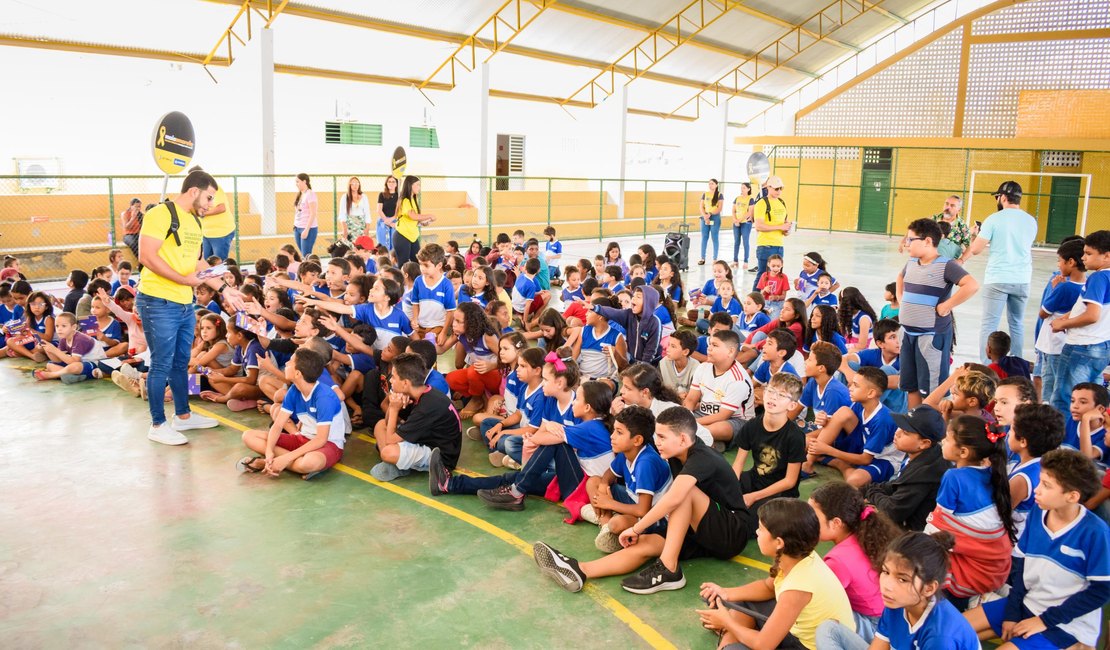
(777, 218)
(829, 601)
(182, 259)
(222, 224)
(707, 204)
(407, 227)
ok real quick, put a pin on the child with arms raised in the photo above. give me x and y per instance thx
(783, 610)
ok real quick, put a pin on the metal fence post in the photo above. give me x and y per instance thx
(684, 190)
(334, 208)
(549, 200)
(111, 214)
(832, 196)
(600, 209)
(645, 207)
(489, 210)
(238, 235)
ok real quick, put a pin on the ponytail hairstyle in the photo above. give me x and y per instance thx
(221, 330)
(645, 376)
(986, 442)
(925, 555)
(552, 318)
(476, 324)
(650, 256)
(728, 271)
(873, 529)
(852, 301)
(816, 258)
(800, 312)
(533, 357)
(716, 190)
(407, 193)
(795, 523)
(759, 300)
(308, 183)
(563, 366)
(517, 340)
(600, 398)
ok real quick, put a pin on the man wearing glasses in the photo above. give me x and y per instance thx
(770, 225)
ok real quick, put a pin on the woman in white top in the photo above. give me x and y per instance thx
(354, 210)
(304, 220)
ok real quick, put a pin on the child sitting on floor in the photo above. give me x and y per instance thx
(1037, 429)
(776, 444)
(74, 358)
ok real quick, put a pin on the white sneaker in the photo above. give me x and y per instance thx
(166, 435)
(589, 514)
(195, 421)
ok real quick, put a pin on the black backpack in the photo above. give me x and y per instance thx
(175, 223)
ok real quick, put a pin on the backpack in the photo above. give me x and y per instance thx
(767, 206)
(175, 223)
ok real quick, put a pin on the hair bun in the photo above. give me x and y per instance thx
(945, 539)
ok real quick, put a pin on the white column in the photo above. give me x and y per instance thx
(613, 114)
(265, 73)
(462, 122)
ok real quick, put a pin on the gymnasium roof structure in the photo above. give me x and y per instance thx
(677, 56)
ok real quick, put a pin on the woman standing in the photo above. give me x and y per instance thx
(711, 204)
(132, 219)
(353, 211)
(387, 211)
(743, 209)
(406, 237)
(305, 225)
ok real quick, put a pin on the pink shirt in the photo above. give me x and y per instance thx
(850, 564)
(304, 218)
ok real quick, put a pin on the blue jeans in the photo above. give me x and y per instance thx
(1050, 371)
(169, 328)
(535, 476)
(713, 229)
(762, 254)
(218, 246)
(835, 635)
(306, 244)
(1077, 364)
(1012, 297)
(741, 233)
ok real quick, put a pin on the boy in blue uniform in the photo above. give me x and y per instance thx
(1057, 300)
(778, 349)
(1085, 430)
(884, 356)
(1086, 351)
(312, 408)
(553, 251)
(526, 291)
(823, 393)
(1061, 565)
(433, 297)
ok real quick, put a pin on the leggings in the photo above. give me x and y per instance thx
(741, 233)
(406, 250)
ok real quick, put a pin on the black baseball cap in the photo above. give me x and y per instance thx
(1010, 189)
(924, 420)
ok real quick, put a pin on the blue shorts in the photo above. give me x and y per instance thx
(880, 469)
(1050, 639)
(622, 495)
(87, 367)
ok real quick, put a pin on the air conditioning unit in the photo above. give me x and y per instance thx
(38, 174)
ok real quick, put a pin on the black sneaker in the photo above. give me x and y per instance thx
(560, 568)
(656, 577)
(501, 498)
(438, 474)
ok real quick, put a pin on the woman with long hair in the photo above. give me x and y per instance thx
(406, 238)
(387, 212)
(353, 211)
(710, 207)
(305, 223)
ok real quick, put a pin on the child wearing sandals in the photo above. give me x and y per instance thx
(783, 610)
(915, 614)
(309, 410)
(474, 338)
(507, 400)
(237, 384)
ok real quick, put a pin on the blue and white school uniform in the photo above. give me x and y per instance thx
(593, 361)
(879, 423)
(1050, 570)
(592, 445)
(666, 323)
(406, 303)
(393, 323)
(477, 351)
(807, 283)
(615, 287)
(531, 404)
(941, 626)
(434, 301)
(320, 406)
(552, 412)
(648, 473)
(465, 295)
(745, 325)
(878, 433)
(510, 392)
(569, 296)
(247, 358)
(675, 292)
(830, 400)
(829, 300)
(894, 399)
(1029, 473)
(762, 373)
(1071, 439)
(709, 288)
(856, 320)
(836, 340)
(733, 308)
(524, 289)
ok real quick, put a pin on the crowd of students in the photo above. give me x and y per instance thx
(980, 489)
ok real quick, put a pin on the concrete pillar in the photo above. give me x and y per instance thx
(462, 121)
(613, 114)
(265, 104)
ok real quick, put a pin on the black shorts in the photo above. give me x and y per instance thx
(722, 533)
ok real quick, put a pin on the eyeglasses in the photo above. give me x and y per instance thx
(779, 394)
(910, 240)
(777, 189)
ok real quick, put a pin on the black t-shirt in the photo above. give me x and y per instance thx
(433, 422)
(771, 452)
(713, 474)
(389, 205)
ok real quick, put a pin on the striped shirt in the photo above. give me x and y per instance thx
(924, 287)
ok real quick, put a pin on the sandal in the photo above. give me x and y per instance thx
(246, 464)
(263, 406)
(38, 375)
(701, 262)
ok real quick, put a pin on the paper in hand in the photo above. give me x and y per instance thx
(212, 272)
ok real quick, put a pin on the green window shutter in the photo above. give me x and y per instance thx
(353, 133)
(423, 137)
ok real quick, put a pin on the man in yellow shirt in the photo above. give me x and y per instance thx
(218, 225)
(170, 259)
(771, 226)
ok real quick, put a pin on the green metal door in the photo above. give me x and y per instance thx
(1063, 208)
(874, 200)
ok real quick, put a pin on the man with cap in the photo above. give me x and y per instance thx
(911, 495)
(1010, 232)
(771, 225)
(132, 219)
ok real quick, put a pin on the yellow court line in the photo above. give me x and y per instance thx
(649, 634)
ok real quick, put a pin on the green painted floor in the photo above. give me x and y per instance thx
(111, 541)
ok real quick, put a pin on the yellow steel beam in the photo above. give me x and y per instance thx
(794, 42)
(82, 47)
(1055, 35)
(365, 22)
(654, 47)
(245, 10)
(505, 23)
(891, 15)
(789, 25)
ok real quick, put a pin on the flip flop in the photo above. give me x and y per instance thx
(38, 374)
(244, 464)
